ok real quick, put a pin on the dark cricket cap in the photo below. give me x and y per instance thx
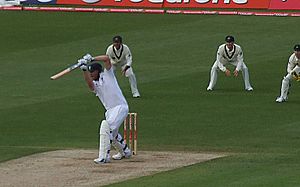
(117, 39)
(95, 66)
(297, 47)
(229, 39)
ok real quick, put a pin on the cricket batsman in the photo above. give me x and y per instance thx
(103, 83)
(293, 72)
(120, 56)
(229, 53)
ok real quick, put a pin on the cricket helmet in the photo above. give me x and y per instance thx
(95, 66)
(297, 47)
(117, 39)
(229, 39)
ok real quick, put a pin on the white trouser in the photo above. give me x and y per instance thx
(132, 80)
(285, 83)
(214, 75)
(131, 77)
(114, 118)
(104, 141)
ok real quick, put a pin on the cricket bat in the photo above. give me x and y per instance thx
(65, 71)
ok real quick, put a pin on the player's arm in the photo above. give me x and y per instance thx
(290, 65)
(240, 59)
(87, 77)
(105, 59)
(220, 65)
(296, 73)
(128, 57)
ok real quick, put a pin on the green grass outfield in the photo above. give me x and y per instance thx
(172, 59)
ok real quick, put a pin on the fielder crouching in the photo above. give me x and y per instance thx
(229, 53)
(120, 56)
(104, 84)
(293, 72)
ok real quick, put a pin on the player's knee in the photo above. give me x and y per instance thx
(288, 77)
(114, 132)
(244, 68)
(214, 68)
(129, 72)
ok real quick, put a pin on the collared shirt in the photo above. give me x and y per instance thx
(224, 56)
(120, 56)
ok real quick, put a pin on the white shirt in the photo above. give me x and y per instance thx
(225, 56)
(108, 90)
(293, 61)
(120, 56)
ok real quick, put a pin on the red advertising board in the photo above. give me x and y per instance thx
(253, 4)
(230, 4)
(123, 3)
(285, 4)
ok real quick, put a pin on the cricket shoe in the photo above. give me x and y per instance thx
(136, 95)
(209, 89)
(125, 154)
(250, 89)
(118, 156)
(280, 100)
(102, 160)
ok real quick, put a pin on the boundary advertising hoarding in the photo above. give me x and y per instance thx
(119, 3)
(285, 5)
(32, 2)
(241, 4)
(224, 4)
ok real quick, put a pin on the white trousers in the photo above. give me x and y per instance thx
(286, 81)
(115, 118)
(285, 85)
(214, 75)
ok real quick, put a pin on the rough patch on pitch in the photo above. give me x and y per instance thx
(76, 167)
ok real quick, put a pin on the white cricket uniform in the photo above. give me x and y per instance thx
(224, 57)
(110, 95)
(292, 66)
(293, 62)
(121, 58)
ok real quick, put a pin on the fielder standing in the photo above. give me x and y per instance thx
(120, 56)
(104, 84)
(293, 71)
(229, 53)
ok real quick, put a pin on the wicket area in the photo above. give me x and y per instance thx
(131, 123)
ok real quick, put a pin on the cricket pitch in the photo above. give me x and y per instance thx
(76, 167)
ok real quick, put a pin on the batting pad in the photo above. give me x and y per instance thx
(104, 146)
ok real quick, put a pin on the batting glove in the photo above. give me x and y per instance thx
(296, 77)
(82, 63)
(83, 67)
(88, 57)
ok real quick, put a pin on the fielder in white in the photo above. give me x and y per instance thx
(104, 84)
(229, 53)
(293, 71)
(120, 56)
